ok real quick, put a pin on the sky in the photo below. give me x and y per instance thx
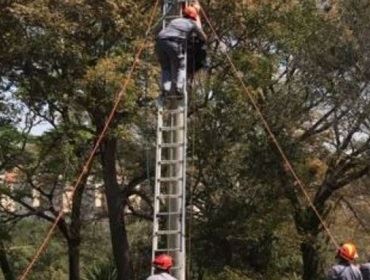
(40, 129)
(41, 125)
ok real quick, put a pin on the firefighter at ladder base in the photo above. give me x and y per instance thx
(345, 269)
(162, 265)
(171, 47)
(365, 269)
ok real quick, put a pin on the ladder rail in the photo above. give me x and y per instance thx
(157, 176)
(184, 164)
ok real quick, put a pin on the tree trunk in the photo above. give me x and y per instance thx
(309, 226)
(311, 260)
(74, 240)
(4, 263)
(74, 259)
(72, 232)
(115, 209)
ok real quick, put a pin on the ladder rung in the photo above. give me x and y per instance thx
(172, 112)
(171, 145)
(172, 17)
(173, 128)
(168, 162)
(169, 196)
(168, 250)
(169, 214)
(170, 179)
(167, 232)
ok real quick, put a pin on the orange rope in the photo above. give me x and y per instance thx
(272, 136)
(88, 163)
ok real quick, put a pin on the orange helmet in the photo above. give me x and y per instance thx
(196, 6)
(348, 252)
(163, 261)
(190, 12)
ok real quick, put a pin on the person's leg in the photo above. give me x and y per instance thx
(177, 60)
(179, 69)
(164, 60)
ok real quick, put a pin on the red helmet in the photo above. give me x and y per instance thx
(348, 252)
(190, 12)
(163, 262)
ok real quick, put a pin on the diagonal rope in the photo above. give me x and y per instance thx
(87, 166)
(272, 135)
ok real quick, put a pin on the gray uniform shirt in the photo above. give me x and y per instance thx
(344, 272)
(161, 276)
(181, 28)
(365, 270)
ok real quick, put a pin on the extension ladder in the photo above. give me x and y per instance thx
(170, 176)
(170, 183)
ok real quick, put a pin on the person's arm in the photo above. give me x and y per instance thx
(331, 274)
(157, 28)
(200, 33)
(199, 22)
(360, 276)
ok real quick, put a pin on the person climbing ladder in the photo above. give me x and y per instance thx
(171, 47)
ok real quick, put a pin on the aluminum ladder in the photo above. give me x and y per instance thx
(170, 176)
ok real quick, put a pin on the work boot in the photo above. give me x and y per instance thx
(175, 94)
(178, 94)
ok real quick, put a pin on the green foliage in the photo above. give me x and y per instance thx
(229, 274)
(101, 271)
(63, 61)
(140, 233)
(25, 239)
(10, 150)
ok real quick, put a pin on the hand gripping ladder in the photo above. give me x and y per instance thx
(170, 176)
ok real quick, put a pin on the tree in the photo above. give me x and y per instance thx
(334, 114)
(306, 66)
(304, 84)
(4, 258)
(72, 60)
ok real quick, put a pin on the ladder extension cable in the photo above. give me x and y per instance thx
(272, 135)
(87, 166)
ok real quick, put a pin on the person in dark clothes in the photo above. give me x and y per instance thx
(365, 269)
(170, 49)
